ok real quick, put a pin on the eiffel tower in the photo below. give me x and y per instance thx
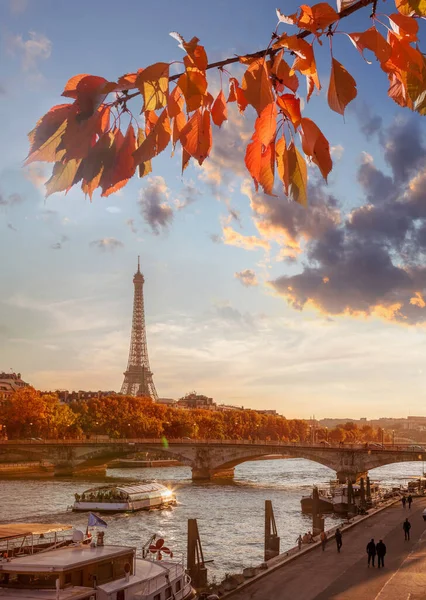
(138, 376)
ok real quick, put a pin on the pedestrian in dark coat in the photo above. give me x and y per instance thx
(381, 551)
(410, 501)
(338, 536)
(371, 552)
(323, 538)
(406, 526)
(403, 500)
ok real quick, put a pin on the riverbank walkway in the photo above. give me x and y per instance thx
(329, 575)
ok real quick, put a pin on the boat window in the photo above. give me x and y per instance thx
(105, 572)
(178, 585)
(169, 593)
(26, 580)
(157, 597)
(68, 578)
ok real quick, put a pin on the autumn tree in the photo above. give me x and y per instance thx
(96, 139)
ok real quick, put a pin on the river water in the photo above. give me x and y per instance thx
(230, 516)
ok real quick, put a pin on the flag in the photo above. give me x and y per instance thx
(95, 521)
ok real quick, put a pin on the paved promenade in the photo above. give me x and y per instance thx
(331, 576)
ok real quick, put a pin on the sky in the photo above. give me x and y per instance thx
(249, 299)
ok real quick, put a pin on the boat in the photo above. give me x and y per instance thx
(325, 502)
(125, 498)
(79, 571)
(340, 498)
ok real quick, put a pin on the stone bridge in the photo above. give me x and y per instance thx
(206, 458)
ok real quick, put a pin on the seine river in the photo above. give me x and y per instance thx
(230, 516)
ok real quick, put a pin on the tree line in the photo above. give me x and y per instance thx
(29, 413)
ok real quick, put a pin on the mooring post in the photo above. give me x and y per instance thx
(369, 503)
(317, 518)
(272, 541)
(196, 568)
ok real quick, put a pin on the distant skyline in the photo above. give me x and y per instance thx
(249, 299)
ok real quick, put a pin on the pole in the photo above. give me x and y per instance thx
(195, 559)
(272, 541)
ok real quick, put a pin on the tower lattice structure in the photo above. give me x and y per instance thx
(138, 379)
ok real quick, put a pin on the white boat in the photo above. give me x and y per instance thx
(92, 572)
(125, 498)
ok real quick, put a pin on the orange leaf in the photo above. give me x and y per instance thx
(342, 88)
(372, 40)
(153, 83)
(178, 124)
(266, 124)
(145, 167)
(175, 102)
(319, 16)
(281, 70)
(403, 56)
(193, 84)
(99, 159)
(257, 85)
(281, 156)
(236, 94)
(127, 82)
(404, 27)
(290, 106)
(298, 175)
(185, 159)
(290, 20)
(47, 135)
(88, 93)
(260, 162)
(316, 146)
(305, 59)
(62, 177)
(219, 109)
(156, 140)
(411, 7)
(196, 53)
(124, 165)
(196, 136)
(80, 135)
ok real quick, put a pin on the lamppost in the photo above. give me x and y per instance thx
(393, 438)
(326, 434)
(31, 431)
(128, 431)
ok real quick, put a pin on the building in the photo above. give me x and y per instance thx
(81, 396)
(167, 402)
(194, 400)
(10, 383)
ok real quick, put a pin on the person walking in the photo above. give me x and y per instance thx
(406, 526)
(403, 500)
(338, 536)
(410, 501)
(371, 552)
(299, 542)
(323, 538)
(381, 551)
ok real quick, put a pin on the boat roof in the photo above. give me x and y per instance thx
(145, 570)
(131, 488)
(13, 530)
(63, 559)
(70, 593)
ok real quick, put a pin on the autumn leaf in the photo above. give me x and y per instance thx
(47, 135)
(219, 109)
(260, 162)
(175, 102)
(411, 7)
(88, 92)
(304, 61)
(99, 159)
(404, 27)
(284, 77)
(342, 87)
(80, 135)
(156, 140)
(317, 17)
(290, 20)
(178, 124)
(144, 168)
(298, 175)
(281, 157)
(63, 175)
(290, 106)
(153, 83)
(236, 94)
(257, 85)
(372, 40)
(124, 166)
(193, 84)
(266, 124)
(196, 136)
(316, 146)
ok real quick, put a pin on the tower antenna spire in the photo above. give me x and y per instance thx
(139, 264)
(138, 379)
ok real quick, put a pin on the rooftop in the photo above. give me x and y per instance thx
(70, 593)
(63, 558)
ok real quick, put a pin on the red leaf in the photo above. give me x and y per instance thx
(260, 162)
(284, 78)
(156, 141)
(193, 84)
(316, 146)
(236, 94)
(257, 85)
(124, 165)
(342, 88)
(290, 106)
(88, 93)
(219, 109)
(316, 17)
(47, 135)
(196, 136)
(266, 124)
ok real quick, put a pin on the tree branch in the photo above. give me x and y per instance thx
(346, 12)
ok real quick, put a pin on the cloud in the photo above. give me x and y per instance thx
(131, 225)
(153, 203)
(188, 195)
(10, 226)
(37, 174)
(374, 262)
(248, 242)
(370, 124)
(247, 277)
(31, 51)
(11, 200)
(107, 244)
(59, 245)
(215, 238)
(337, 152)
(114, 210)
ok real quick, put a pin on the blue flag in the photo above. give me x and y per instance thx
(95, 521)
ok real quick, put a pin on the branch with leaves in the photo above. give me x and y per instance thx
(96, 140)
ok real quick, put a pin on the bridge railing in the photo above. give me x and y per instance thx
(101, 441)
